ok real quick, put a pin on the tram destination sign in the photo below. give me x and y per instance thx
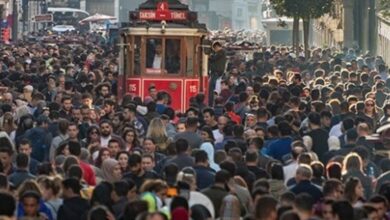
(162, 15)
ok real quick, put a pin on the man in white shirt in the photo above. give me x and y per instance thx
(157, 57)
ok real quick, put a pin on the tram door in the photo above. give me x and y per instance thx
(169, 63)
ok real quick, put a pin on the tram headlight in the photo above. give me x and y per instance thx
(163, 26)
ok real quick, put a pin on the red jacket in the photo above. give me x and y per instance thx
(88, 174)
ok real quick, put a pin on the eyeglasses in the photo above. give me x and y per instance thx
(369, 104)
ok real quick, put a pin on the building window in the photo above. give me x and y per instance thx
(239, 12)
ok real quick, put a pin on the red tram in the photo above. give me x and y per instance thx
(164, 46)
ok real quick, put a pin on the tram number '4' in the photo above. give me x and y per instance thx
(132, 87)
(193, 89)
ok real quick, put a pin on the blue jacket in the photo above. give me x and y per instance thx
(204, 177)
(279, 147)
(42, 209)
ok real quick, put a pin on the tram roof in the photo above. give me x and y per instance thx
(170, 29)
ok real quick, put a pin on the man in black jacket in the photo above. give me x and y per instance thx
(74, 207)
(217, 68)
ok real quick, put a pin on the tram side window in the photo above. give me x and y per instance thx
(154, 54)
(137, 55)
(190, 56)
(172, 56)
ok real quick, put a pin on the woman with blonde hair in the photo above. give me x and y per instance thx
(9, 125)
(158, 133)
(353, 167)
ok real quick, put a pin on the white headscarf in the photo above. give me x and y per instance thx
(209, 148)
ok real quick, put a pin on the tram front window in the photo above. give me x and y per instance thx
(154, 54)
(163, 56)
(172, 56)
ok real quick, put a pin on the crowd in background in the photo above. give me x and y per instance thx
(280, 137)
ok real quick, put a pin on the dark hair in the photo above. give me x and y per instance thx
(318, 169)
(350, 186)
(181, 146)
(25, 141)
(314, 118)
(72, 184)
(22, 160)
(134, 208)
(98, 213)
(330, 186)
(343, 209)
(304, 202)
(264, 206)
(134, 160)
(75, 171)
(99, 161)
(121, 188)
(74, 148)
(179, 201)
(209, 132)
(6, 150)
(199, 212)
(277, 171)
(378, 199)
(8, 205)
(229, 166)
(251, 156)
(101, 195)
(201, 156)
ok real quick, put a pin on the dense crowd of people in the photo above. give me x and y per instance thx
(282, 137)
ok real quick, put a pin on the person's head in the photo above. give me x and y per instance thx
(114, 146)
(8, 205)
(104, 153)
(256, 143)
(303, 172)
(149, 145)
(326, 209)
(251, 157)
(101, 195)
(134, 208)
(333, 189)
(6, 156)
(333, 170)
(74, 148)
(177, 202)
(71, 187)
(201, 158)
(73, 131)
(265, 208)
(30, 201)
(353, 190)
(181, 146)
(352, 162)
(207, 133)
(50, 187)
(135, 164)
(303, 205)
(342, 210)
(22, 161)
(209, 116)
(111, 170)
(66, 102)
(380, 203)
(318, 169)
(105, 128)
(99, 212)
(123, 157)
(25, 146)
(277, 171)
(314, 119)
(148, 162)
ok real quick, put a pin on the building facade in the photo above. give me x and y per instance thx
(350, 24)
(383, 41)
